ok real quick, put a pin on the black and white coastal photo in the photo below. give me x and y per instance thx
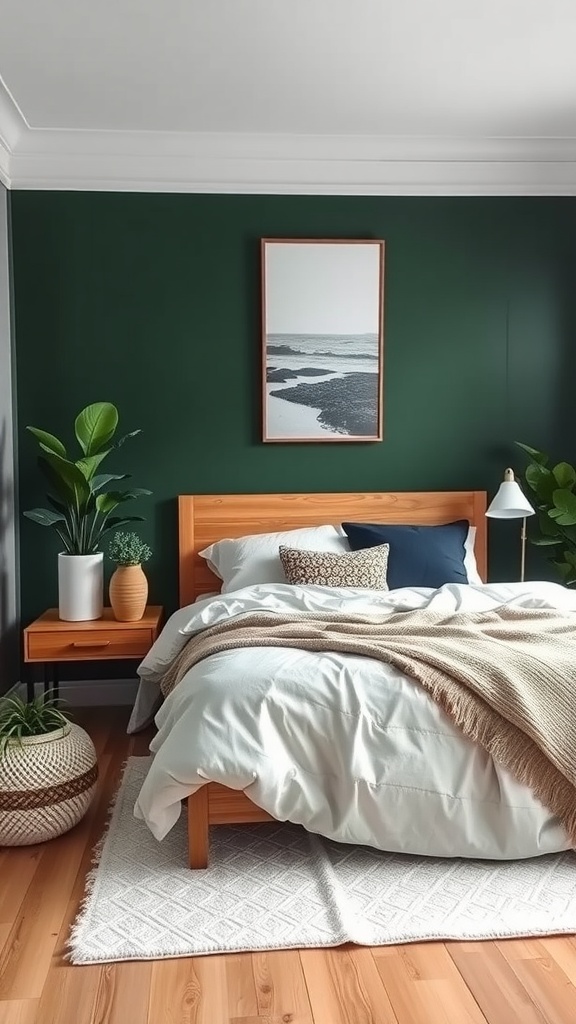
(322, 314)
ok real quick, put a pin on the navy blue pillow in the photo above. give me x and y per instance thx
(420, 556)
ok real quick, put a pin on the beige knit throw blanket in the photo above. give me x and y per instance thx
(507, 677)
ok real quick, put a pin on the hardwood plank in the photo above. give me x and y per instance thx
(188, 991)
(25, 960)
(280, 986)
(521, 949)
(426, 961)
(5, 930)
(104, 726)
(139, 743)
(562, 949)
(19, 1011)
(370, 983)
(18, 866)
(69, 996)
(260, 1020)
(242, 1001)
(344, 989)
(123, 993)
(427, 992)
(494, 985)
(548, 987)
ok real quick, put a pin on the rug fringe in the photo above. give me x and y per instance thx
(89, 882)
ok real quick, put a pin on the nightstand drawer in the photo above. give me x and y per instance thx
(88, 645)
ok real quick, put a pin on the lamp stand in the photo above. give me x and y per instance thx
(523, 550)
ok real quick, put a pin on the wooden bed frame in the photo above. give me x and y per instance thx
(206, 518)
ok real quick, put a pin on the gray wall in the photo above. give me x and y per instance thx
(9, 585)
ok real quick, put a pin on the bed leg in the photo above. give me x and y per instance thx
(198, 835)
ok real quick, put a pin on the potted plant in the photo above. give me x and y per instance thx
(48, 771)
(81, 506)
(554, 496)
(128, 585)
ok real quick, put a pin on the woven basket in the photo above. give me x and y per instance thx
(46, 785)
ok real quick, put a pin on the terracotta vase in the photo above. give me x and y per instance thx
(128, 593)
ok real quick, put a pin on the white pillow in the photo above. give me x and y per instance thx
(247, 561)
(470, 558)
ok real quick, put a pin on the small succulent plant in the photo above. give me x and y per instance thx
(128, 549)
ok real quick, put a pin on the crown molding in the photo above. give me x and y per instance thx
(13, 126)
(4, 166)
(58, 159)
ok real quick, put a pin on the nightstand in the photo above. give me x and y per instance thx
(50, 640)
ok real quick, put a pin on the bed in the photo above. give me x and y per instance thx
(351, 746)
(204, 519)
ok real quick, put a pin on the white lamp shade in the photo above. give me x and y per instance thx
(509, 502)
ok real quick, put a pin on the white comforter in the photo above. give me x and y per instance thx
(346, 746)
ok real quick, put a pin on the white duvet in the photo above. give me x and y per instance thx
(346, 746)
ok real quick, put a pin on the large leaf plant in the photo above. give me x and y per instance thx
(81, 500)
(554, 498)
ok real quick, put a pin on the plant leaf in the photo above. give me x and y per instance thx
(89, 464)
(102, 479)
(116, 522)
(95, 426)
(45, 516)
(72, 477)
(48, 442)
(56, 504)
(534, 454)
(541, 480)
(111, 499)
(121, 440)
(56, 482)
(565, 505)
(565, 475)
(106, 502)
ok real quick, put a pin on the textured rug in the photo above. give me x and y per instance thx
(276, 886)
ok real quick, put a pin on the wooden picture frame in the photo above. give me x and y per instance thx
(322, 339)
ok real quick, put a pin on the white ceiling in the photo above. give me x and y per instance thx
(231, 82)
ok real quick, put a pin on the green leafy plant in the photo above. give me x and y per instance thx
(128, 549)
(81, 506)
(19, 718)
(554, 498)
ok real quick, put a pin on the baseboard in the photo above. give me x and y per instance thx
(82, 693)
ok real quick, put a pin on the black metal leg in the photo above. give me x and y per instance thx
(51, 679)
(29, 682)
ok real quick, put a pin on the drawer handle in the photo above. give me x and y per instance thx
(91, 643)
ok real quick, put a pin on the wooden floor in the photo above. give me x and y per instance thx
(529, 982)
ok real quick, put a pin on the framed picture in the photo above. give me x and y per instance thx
(322, 339)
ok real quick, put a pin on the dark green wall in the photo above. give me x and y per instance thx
(152, 302)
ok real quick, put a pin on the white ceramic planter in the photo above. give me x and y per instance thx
(80, 586)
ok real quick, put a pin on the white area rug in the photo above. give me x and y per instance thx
(277, 887)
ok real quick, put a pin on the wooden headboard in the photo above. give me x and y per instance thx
(206, 518)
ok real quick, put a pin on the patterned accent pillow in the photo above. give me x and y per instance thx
(366, 568)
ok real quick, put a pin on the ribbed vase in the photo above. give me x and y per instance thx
(46, 785)
(128, 593)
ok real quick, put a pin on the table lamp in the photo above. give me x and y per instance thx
(510, 502)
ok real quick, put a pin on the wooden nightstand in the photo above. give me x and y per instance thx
(50, 640)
